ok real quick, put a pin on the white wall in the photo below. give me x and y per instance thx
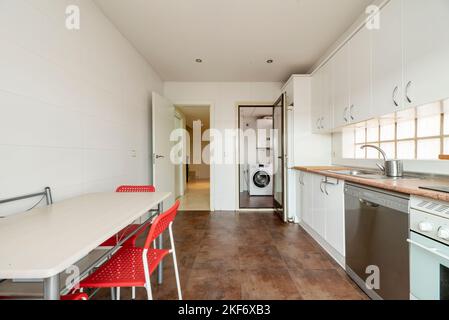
(73, 104)
(224, 96)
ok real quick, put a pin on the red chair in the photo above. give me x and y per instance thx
(75, 297)
(132, 267)
(113, 241)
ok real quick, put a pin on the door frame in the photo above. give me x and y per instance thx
(211, 106)
(284, 206)
(262, 104)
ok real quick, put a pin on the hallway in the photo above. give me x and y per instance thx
(197, 196)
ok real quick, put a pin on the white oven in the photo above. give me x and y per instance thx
(429, 249)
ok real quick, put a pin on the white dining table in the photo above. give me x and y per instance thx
(46, 241)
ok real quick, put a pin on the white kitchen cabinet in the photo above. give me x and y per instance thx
(360, 76)
(318, 206)
(301, 138)
(426, 49)
(335, 214)
(322, 104)
(305, 198)
(341, 87)
(317, 101)
(327, 103)
(320, 203)
(387, 61)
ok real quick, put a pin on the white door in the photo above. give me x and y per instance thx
(179, 168)
(387, 61)
(426, 41)
(163, 115)
(360, 76)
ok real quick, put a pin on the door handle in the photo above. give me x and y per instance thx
(158, 156)
(407, 88)
(369, 203)
(431, 250)
(344, 114)
(395, 93)
(350, 112)
(322, 125)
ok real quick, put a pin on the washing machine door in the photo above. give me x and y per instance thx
(261, 179)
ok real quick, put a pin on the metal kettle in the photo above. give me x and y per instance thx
(390, 168)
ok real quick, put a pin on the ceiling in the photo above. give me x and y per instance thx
(234, 38)
(194, 113)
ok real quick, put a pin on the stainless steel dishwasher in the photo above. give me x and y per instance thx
(377, 229)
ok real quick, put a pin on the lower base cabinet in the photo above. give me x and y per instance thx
(320, 206)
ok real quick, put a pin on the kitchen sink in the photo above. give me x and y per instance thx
(369, 174)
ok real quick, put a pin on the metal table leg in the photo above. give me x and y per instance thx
(161, 243)
(51, 288)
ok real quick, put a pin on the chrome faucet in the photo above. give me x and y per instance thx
(384, 155)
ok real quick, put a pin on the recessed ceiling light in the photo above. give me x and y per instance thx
(270, 61)
(199, 60)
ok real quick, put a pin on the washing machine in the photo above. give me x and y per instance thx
(261, 180)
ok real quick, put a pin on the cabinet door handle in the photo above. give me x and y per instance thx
(407, 89)
(350, 112)
(344, 114)
(321, 187)
(369, 203)
(322, 125)
(325, 189)
(318, 124)
(395, 93)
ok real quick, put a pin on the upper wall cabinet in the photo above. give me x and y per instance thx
(322, 120)
(341, 87)
(387, 63)
(360, 76)
(426, 48)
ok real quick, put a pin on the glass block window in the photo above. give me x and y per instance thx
(421, 134)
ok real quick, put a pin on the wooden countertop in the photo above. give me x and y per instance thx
(406, 186)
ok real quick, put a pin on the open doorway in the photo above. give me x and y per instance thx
(193, 178)
(256, 166)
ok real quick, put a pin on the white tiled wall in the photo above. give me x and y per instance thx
(73, 104)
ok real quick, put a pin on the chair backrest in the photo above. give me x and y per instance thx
(136, 189)
(161, 224)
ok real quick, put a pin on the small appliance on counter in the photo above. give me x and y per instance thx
(429, 249)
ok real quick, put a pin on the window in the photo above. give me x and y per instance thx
(421, 133)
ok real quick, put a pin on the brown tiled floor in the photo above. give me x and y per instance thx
(248, 256)
(255, 202)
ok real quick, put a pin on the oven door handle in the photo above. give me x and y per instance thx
(431, 250)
